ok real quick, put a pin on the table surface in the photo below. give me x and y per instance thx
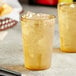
(11, 53)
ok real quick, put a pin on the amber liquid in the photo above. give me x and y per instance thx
(37, 43)
(67, 24)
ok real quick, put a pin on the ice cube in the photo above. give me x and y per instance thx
(32, 15)
(72, 5)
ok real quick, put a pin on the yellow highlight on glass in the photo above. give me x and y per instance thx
(68, 1)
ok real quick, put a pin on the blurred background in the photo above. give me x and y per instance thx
(44, 2)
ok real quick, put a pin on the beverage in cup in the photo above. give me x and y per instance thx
(37, 35)
(67, 26)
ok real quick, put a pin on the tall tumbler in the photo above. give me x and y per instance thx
(67, 26)
(37, 35)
